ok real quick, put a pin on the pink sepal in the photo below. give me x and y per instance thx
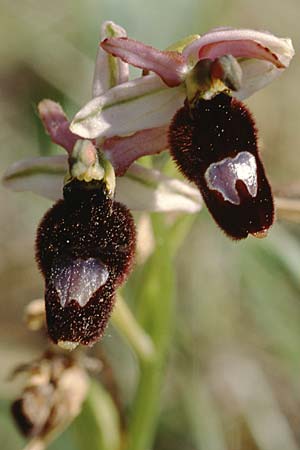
(123, 151)
(168, 65)
(56, 124)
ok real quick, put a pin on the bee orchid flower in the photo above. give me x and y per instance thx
(140, 188)
(148, 102)
(190, 105)
(85, 243)
(194, 97)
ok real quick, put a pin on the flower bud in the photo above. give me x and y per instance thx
(55, 389)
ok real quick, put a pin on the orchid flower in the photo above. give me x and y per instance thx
(140, 188)
(191, 105)
(148, 102)
(85, 243)
(194, 95)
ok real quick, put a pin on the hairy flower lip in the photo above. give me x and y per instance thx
(215, 146)
(85, 249)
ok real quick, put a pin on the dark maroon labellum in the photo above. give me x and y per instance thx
(214, 143)
(85, 248)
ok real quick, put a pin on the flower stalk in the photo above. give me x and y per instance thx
(156, 316)
(126, 324)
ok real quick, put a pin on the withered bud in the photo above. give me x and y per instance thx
(214, 143)
(55, 389)
(85, 248)
(32, 410)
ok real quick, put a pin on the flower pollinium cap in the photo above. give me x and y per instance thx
(86, 163)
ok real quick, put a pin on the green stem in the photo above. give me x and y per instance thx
(124, 321)
(157, 303)
(146, 407)
(99, 422)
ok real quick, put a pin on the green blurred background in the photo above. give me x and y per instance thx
(233, 370)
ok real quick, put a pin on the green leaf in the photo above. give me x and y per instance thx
(98, 426)
(124, 321)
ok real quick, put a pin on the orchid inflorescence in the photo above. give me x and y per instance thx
(188, 101)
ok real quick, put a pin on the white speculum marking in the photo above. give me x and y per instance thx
(223, 175)
(79, 280)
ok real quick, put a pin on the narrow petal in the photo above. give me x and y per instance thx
(123, 151)
(130, 107)
(140, 189)
(109, 71)
(56, 124)
(170, 66)
(144, 189)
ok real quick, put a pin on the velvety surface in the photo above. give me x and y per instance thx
(85, 225)
(212, 131)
